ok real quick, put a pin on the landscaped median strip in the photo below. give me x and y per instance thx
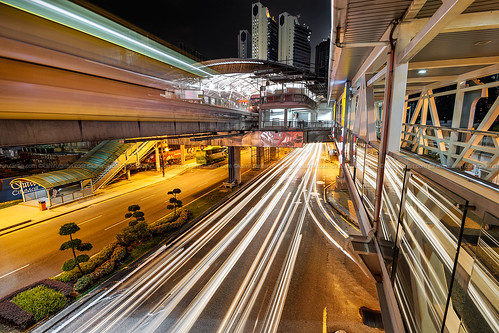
(131, 244)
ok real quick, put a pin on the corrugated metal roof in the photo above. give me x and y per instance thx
(367, 20)
(431, 6)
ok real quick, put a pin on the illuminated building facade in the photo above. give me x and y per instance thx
(244, 44)
(294, 42)
(264, 33)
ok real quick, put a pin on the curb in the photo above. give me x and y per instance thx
(24, 224)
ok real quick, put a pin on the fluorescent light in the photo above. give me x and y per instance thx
(422, 71)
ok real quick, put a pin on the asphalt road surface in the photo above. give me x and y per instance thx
(31, 254)
(266, 261)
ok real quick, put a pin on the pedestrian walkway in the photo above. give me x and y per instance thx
(20, 216)
(338, 197)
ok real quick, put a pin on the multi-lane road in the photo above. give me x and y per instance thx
(31, 254)
(266, 261)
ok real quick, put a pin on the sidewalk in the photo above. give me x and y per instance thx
(339, 199)
(20, 216)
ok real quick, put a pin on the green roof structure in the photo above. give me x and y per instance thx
(87, 167)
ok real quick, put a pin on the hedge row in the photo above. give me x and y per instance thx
(107, 267)
(13, 314)
(88, 266)
(168, 226)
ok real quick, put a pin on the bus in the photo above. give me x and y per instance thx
(211, 154)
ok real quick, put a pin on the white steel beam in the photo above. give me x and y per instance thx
(442, 17)
(465, 22)
(463, 62)
(414, 9)
(431, 79)
(377, 77)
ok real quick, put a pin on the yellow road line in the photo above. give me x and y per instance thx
(353, 225)
(324, 320)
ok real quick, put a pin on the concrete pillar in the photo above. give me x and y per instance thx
(182, 154)
(162, 160)
(285, 117)
(273, 153)
(235, 165)
(259, 157)
(156, 157)
(398, 92)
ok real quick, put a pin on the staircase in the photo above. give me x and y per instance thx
(132, 155)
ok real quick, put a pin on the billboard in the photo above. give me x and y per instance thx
(9, 192)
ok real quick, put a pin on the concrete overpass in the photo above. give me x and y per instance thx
(60, 83)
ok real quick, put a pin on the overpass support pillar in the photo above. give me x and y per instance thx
(235, 165)
(182, 154)
(156, 157)
(260, 152)
(273, 153)
(285, 117)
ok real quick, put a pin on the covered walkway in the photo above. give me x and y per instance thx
(76, 181)
(414, 85)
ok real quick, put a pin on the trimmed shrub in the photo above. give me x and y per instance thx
(83, 283)
(13, 314)
(40, 301)
(64, 288)
(119, 254)
(172, 226)
(103, 270)
(68, 276)
(133, 233)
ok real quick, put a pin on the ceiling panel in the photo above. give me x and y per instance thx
(457, 45)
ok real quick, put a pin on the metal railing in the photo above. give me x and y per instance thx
(438, 240)
(68, 197)
(288, 98)
(470, 151)
(297, 124)
(132, 155)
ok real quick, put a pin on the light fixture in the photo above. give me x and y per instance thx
(422, 71)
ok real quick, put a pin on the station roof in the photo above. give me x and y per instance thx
(87, 167)
(243, 77)
(446, 39)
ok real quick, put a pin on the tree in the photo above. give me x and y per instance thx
(134, 211)
(174, 202)
(69, 229)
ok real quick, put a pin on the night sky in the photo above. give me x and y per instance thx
(211, 27)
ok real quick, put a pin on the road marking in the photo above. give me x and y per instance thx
(144, 198)
(93, 218)
(13, 271)
(324, 320)
(111, 226)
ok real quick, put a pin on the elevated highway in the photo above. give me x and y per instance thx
(61, 84)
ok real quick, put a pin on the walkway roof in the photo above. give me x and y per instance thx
(447, 39)
(87, 167)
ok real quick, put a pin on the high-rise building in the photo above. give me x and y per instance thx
(244, 44)
(322, 58)
(264, 33)
(294, 42)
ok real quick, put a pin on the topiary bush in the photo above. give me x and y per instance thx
(40, 301)
(119, 253)
(168, 226)
(133, 233)
(83, 283)
(103, 270)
